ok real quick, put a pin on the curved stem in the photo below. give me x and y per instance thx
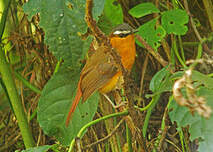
(80, 133)
(83, 129)
(177, 53)
(149, 112)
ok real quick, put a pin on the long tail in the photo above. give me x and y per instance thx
(74, 104)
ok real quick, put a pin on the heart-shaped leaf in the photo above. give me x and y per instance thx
(199, 127)
(62, 22)
(55, 102)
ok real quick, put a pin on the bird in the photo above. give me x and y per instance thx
(100, 73)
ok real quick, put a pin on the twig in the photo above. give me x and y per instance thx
(152, 51)
(173, 144)
(205, 47)
(5, 147)
(92, 23)
(105, 138)
(143, 71)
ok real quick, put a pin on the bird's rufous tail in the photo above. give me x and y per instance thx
(74, 104)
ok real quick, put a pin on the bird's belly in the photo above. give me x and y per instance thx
(111, 85)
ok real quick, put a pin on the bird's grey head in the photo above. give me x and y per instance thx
(123, 30)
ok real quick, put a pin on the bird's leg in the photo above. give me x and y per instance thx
(113, 105)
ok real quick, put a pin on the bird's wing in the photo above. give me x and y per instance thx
(98, 70)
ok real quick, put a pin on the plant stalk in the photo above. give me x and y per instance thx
(7, 78)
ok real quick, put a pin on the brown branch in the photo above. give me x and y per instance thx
(143, 71)
(152, 51)
(92, 23)
(105, 41)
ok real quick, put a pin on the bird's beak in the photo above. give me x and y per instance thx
(134, 30)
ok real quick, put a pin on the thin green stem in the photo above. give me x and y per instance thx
(149, 112)
(200, 51)
(80, 133)
(117, 137)
(181, 48)
(144, 108)
(107, 146)
(30, 86)
(129, 139)
(27, 84)
(163, 123)
(57, 66)
(83, 129)
(177, 53)
(4, 18)
(15, 100)
(33, 114)
(181, 140)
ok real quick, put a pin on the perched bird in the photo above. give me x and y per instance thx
(100, 72)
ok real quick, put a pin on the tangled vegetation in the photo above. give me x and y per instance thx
(169, 92)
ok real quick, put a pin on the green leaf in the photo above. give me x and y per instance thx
(199, 78)
(199, 127)
(32, 7)
(151, 34)
(202, 79)
(112, 16)
(143, 9)
(38, 149)
(174, 21)
(158, 78)
(62, 21)
(55, 102)
(98, 8)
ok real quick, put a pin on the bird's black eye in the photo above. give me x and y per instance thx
(123, 35)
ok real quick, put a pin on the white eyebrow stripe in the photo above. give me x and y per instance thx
(121, 32)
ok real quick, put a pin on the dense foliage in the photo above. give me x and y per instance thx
(44, 45)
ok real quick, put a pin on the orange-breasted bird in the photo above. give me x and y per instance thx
(100, 71)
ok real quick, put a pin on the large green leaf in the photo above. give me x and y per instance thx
(112, 16)
(160, 81)
(202, 79)
(199, 78)
(54, 105)
(98, 8)
(199, 127)
(143, 9)
(152, 34)
(62, 20)
(32, 7)
(174, 21)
